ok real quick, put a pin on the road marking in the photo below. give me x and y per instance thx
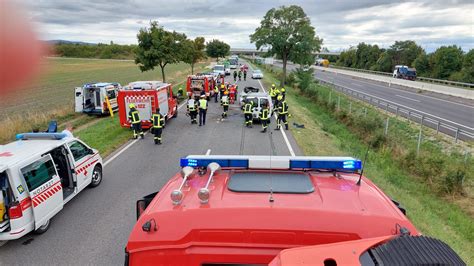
(407, 98)
(414, 93)
(290, 149)
(131, 144)
(121, 151)
(413, 109)
(208, 152)
(355, 84)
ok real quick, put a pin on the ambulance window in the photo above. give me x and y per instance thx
(111, 94)
(78, 150)
(38, 173)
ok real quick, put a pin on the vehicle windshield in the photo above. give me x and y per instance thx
(253, 182)
(218, 68)
(253, 100)
(257, 71)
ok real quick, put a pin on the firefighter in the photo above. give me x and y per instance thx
(265, 117)
(240, 75)
(192, 109)
(158, 122)
(235, 75)
(283, 93)
(277, 93)
(225, 104)
(202, 110)
(248, 113)
(216, 93)
(282, 110)
(136, 122)
(245, 74)
(221, 93)
(272, 94)
(180, 92)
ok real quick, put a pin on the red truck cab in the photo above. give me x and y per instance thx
(247, 209)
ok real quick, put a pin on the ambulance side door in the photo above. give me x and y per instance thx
(45, 189)
(79, 99)
(83, 163)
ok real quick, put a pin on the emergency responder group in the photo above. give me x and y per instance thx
(227, 94)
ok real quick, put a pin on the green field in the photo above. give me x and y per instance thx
(52, 95)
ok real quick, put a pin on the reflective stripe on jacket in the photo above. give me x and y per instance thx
(264, 115)
(157, 120)
(283, 108)
(248, 108)
(134, 116)
(191, 105)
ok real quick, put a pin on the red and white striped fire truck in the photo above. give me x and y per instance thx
(147, 96)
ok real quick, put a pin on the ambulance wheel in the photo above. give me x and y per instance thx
(96, 176)
(43, 228)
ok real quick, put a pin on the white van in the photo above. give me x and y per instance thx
(218, 70)
(258, 99)
(39, 173)
(91, 98)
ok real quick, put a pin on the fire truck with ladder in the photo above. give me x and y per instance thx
(147, 96)
(256, 210)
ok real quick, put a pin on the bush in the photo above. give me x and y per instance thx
(304, 79)
(452, 181)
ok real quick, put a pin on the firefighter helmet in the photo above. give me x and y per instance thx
(131, 106)
(280, 97)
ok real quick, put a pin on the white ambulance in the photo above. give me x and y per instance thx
(91, 98)
(39, 173)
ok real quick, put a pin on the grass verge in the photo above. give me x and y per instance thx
(431, 213)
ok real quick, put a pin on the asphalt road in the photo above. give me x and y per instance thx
(94, 227)
(438, 107)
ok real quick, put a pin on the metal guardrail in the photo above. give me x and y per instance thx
(440, 125)
(423, 79)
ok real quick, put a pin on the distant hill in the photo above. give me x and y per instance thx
(68, 42)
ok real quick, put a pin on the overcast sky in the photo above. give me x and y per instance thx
(431, 23)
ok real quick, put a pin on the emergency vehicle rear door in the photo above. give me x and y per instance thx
(163, 101)
(45, 189)
(79, 99)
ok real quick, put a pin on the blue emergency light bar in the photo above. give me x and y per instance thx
(274, 162)
(40, 135)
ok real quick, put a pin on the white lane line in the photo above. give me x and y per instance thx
(356, 84)
(407, 98)
(208, 152)
(131, 144)
(413, 109)
(288, 144)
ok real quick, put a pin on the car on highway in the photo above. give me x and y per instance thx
(218, 70)
(246, 209)
(39, 174)
(257, 74)
(227, 71)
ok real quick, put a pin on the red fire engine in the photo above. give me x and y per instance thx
(147, 96)
(247, 209)
(199, 84)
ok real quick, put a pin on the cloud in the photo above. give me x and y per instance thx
(340, 23)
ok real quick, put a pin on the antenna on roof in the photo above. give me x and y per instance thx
(363, 166)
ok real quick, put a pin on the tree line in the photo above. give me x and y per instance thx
(101, 51)
(447, 62)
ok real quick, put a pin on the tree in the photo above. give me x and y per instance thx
(445, 61)
(467, 71)
(347, 58)
(288, 33)
(158, 47)
(194, 51)
(422, 65)
(384, 63)
(216, 49)
(404, 52)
